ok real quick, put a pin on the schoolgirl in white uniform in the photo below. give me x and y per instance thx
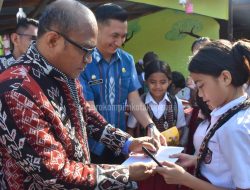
(219, 70)
(164, 109)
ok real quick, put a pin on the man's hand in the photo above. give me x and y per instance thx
(156, 135)
(140, 171)
(148, 142)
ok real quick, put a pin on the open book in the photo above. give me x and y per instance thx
(162, 155)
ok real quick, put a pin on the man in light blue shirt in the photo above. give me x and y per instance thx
(108, 84)
(111, 79)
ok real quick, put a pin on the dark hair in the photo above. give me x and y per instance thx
(178, 79)
(221, 55)
(203, 106)
(148, 57)
(61, 15)
(200, 42)
(24, 23)
(156, 66)
(139, 68)
(110, 11)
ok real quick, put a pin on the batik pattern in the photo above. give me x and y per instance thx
(42, 141)
(6, 61)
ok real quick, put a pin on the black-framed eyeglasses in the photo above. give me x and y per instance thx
(87, 51)
(32, 37)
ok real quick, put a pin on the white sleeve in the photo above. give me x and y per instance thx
(235, 146)
(131, 121)
(181, 121)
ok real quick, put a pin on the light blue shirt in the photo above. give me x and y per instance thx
(108, 85)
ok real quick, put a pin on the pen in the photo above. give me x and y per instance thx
(151, 156)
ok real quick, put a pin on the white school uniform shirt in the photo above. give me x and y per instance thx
(158, 110)
(199, 135)
(230, 146)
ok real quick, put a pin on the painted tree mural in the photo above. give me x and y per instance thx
(133, 28)
(183, 28)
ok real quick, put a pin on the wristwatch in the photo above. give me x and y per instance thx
(150, 125)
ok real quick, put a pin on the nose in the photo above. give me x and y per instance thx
(200, 94)
(158, 85)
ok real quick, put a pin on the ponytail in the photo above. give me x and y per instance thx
(241, 54)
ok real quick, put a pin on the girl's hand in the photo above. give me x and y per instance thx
(185, 160)
(172, 173)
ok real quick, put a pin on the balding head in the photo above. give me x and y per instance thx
(67, 35)
(66, 16)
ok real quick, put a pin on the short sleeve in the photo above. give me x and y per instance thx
(234, 144)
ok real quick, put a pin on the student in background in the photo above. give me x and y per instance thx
(25, 32)
(219, 70)
(199, 43)
(141, 65)
(165, 110)
(140, 74)
(178, 83)
(189, 92)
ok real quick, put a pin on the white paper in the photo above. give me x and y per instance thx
(162, 155)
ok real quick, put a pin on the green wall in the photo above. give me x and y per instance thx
(160, 32)
(211, 8)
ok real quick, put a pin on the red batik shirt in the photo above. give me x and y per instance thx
(44, 122)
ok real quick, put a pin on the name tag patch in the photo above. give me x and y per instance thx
(95, 82)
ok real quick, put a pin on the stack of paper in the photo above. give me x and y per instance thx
(162, 155)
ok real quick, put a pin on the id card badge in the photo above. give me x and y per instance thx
(95, 82)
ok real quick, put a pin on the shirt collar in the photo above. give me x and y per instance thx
(219, 111)
(98, 56)
(150, 99)
(33, 56)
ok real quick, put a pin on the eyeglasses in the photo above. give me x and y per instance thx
(32, 37)
(87, 51)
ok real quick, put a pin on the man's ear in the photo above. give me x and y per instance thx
(226, 77)
(52, 39)
(14, 38)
